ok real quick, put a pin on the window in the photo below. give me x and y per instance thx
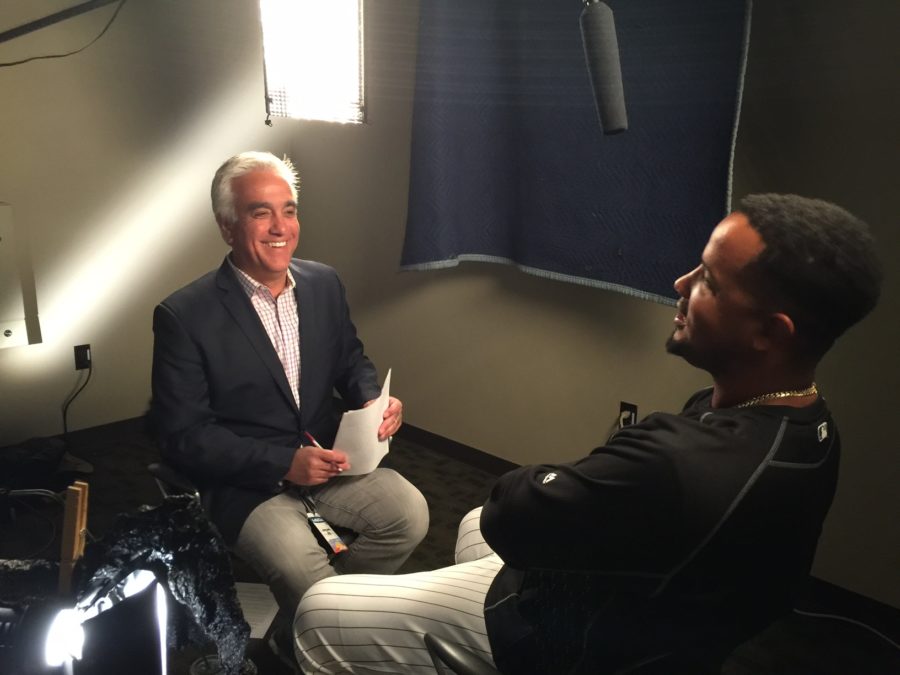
(313, 51)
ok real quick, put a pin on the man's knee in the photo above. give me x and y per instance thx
(410, 509)
(280, 547)
(419, 521)
(293, 578)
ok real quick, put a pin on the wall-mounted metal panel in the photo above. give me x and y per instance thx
(13, 331)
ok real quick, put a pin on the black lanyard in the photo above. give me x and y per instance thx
(325, 534)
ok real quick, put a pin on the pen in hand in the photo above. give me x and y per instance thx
(316, 443)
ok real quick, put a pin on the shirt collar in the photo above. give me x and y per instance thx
(251, 285)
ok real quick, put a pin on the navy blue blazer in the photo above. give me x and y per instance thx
(222, 409)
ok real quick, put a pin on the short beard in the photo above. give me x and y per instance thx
(676, 347)
(682, 349)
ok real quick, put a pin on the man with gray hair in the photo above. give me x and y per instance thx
(245, 362)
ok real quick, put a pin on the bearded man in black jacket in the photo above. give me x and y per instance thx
(683, 535)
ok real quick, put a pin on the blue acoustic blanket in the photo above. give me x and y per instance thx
(509, 163)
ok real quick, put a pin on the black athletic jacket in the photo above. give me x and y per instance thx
(680, 538)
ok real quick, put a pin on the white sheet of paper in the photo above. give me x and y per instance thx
(358, 434)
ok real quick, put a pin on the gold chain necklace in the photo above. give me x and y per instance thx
(809, 391)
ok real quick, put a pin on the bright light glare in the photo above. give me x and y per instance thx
(314, 58)
(162, 618)
(137, 581)
(65, 638)
(75, 292)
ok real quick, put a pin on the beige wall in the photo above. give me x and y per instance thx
(820, 118)
(106, 160)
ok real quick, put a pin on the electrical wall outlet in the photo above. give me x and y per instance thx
(627, 414)
(82, 357)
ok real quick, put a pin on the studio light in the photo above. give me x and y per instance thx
(313, 56)
(46, 637)
(159, 578)
(65, 639)
(34, 640)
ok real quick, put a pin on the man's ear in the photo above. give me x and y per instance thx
(777, 329)
(225, 231)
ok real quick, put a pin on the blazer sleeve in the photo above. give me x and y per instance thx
(190, 433)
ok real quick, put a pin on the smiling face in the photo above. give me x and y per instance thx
(718, 320)
(266, 229)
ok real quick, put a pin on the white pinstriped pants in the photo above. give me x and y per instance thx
(373, 623)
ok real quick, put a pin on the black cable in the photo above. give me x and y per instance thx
(68, 402)
(38, 492)
(17, 495)
(59, 56)
(855, 622)
(40, 550)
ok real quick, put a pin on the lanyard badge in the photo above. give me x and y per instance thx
(329, 539)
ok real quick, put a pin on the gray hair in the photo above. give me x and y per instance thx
(239, 165)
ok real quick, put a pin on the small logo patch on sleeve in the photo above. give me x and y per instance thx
(822, 431)
(550, 476)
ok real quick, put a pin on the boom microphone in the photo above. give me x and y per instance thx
(601, 51)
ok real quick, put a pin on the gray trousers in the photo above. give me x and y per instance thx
(388, 513)
(369, 623)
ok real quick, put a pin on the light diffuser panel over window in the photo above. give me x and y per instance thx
(314, 59)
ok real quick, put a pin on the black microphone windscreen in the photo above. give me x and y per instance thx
(601, 51)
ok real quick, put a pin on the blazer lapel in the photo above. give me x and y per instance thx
(241, 309)
(305, 301)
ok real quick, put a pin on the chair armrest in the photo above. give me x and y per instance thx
(459, 659)
(171, 482)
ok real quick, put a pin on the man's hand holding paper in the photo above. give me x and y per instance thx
(363, 434)
(392, 418)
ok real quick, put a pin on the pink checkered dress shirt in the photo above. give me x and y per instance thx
(280, 318)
